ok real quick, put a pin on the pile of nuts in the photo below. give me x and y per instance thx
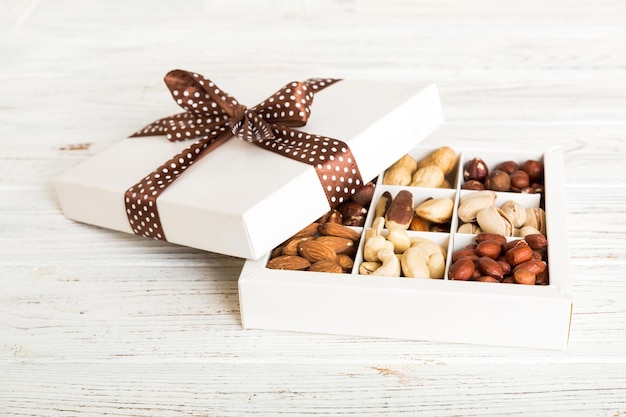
(508, 176)
(430, 171)
(320, 247)
(328, 244)
(478, 213)
(492, 259)
(353, 211)
(395, 253)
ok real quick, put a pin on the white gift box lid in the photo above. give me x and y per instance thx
(240, 199)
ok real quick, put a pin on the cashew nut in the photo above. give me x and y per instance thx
(435, 256)
(375, 241)
(391, 264)
(400, 240)
(413, 263)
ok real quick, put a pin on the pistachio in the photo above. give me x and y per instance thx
(436, 210)
(469, 228)
(536, 218)
(491, 220)
(515, 212)
(472, 203)
(527, 230)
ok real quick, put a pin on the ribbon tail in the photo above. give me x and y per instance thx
(141, 199)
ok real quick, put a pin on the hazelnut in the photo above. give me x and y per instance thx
(475, 169)
(519, 179)
(508, 166)
(534, 169)
(473, 185)
(353, 214)
(363, 195)
(498, 181)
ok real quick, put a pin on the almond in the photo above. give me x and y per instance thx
(291, 247)
(338, 230)
(289, 262)
(340, 245)
(314, 251)
(345, 261)
(310, 230)
(326, 266)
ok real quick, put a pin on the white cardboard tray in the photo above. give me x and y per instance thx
(426, 309)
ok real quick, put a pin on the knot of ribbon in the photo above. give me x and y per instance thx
(212, 116)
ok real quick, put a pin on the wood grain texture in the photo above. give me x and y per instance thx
(94, 322)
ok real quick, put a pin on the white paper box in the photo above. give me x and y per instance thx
(426, 309)
(241, 200)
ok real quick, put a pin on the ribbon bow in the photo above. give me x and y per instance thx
(212, 116)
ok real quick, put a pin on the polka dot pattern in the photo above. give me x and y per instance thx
(140, 199)
(332, 159)
(211, 116)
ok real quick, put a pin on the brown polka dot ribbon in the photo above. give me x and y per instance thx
(212, 116)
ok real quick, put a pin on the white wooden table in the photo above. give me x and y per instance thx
(95, 322)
